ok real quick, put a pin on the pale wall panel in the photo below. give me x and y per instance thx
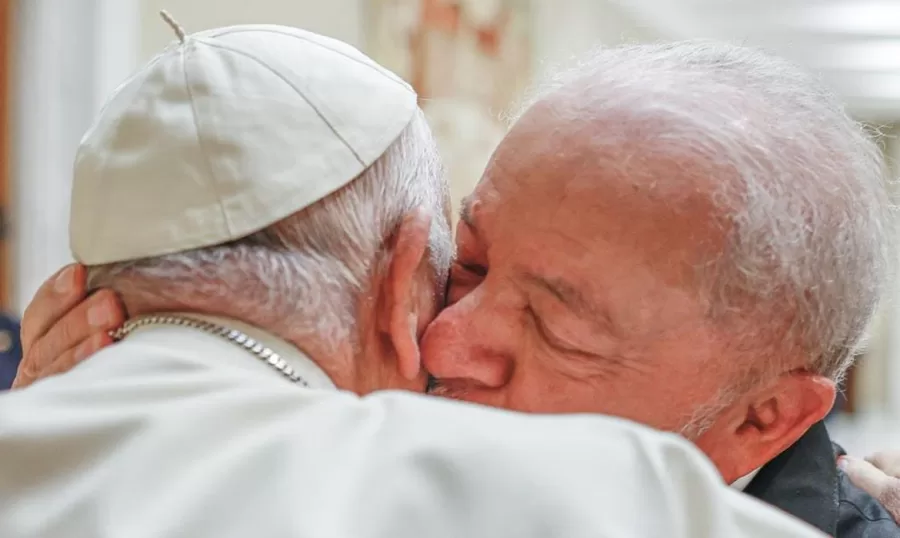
(339, 19)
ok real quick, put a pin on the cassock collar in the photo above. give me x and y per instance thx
(298, 360)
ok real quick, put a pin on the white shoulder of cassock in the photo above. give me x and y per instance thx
(167, 435)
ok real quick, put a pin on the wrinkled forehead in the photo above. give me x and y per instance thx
(603, 162)
(598, 181)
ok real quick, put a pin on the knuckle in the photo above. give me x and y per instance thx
(50, 346)
(56, 366)
(890, 498)
(33, 361)
(64, 336)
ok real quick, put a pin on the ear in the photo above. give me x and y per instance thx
(403, 317)
(766, 422)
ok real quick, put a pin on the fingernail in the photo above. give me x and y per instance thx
(843, 462)
(97, 316)
(63, 283)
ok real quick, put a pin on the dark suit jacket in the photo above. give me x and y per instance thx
(805, 482)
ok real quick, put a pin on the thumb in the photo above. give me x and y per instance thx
(864, 475)
(874, 481)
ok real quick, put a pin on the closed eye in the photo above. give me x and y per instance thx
(463, 277)
(475, 269)
(552, 340)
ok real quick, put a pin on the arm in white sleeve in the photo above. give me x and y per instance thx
(220, 457)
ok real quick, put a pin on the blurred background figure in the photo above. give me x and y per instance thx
(10, 350)
(470, 60)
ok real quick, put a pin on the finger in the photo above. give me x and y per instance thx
(76, 356)
(865, 475)
(888, 462)
(25, 376)
(53, 299)
(64, 361)
(885, 488)
(98, 314)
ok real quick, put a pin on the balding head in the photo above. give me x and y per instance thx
(798, 186)
(693, 236)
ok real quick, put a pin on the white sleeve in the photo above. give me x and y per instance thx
(216, 457)
(445, 469)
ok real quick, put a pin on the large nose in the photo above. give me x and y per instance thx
(472, 341)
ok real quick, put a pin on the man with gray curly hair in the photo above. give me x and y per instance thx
(693, 236)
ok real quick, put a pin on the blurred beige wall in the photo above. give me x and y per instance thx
(564, 28)
(340, 19)
(561, 28)
(887, 365)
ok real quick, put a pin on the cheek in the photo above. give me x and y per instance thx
(640, 397)
(651, 402)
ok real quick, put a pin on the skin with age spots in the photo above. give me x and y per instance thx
(566, 260)
(576, 289)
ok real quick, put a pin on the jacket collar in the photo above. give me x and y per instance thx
(803, 481)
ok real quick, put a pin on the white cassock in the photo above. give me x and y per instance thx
(175, 432)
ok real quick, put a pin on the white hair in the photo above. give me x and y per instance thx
(809, 227)
(311, 270)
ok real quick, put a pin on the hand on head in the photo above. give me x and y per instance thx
(62, 325)
(879, 475)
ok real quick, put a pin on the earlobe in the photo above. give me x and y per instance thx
(771, 421)
(404, 275)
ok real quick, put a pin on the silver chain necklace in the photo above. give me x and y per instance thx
(235, 337)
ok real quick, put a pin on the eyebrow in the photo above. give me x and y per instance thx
(465, 212)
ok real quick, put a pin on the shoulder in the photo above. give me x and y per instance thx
(496, 428)
(392, 464)
(499, 452)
